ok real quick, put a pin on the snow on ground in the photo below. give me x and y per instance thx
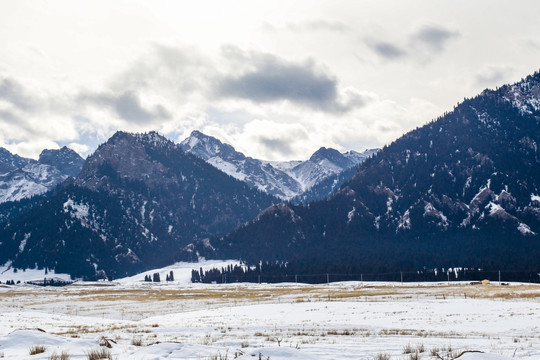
(349, 320)
(8, 273)
(181, 271)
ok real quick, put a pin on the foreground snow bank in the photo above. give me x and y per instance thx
(17, 345)
(277, 321)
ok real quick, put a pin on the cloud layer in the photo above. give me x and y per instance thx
(268, 78)
(277, 80)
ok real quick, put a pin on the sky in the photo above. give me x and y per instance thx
(275, 79)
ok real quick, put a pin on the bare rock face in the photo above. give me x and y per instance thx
(67, 161)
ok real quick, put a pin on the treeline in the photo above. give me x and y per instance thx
(156, 278)
(11, 282)
(50, 282)
(283, 272)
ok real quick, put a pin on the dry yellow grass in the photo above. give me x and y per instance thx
(248, 292)
(81, 300)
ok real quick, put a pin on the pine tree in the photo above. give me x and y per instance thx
(195, 276)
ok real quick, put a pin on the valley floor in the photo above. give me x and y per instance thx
(349, 320)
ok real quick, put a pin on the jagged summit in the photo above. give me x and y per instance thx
(9, 161)
(332, 156)
(151, 138)
(207, 147)
(127, 156)
(22, 178)
(286, 180)
(256, 173)
(65, 159)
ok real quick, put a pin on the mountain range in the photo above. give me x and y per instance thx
(138, 200)
(463, 190)
(286, 180)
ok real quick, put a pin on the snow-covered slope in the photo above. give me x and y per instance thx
(326, 162)
(33, 179)
(22, 178)
(10, 162)
(8, 273)
(286, 179)
(181, 271)
(258, 174)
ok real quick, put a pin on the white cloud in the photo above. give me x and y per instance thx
(81, 149)
(273, 140)
(76, 73)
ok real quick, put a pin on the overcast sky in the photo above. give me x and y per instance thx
(275, 79)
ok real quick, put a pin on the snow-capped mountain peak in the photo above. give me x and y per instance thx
(330, 158)
(207, 147)
(285, 179)
(10, 162)
(256, 173)
(22, 178)
(65, 160)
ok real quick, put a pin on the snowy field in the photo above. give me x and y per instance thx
(349, 320)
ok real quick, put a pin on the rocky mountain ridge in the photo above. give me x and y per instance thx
(138, 201)
(22, 178)
(286, 180)
(462, 190)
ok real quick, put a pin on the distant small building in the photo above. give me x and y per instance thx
(483, 282)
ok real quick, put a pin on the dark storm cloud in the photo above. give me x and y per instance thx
(433, 36)
(14, 93)
(281, 146)
(128, 106)
(386, 50)
(269, 78)
(189, 75)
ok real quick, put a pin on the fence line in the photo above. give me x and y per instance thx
(225, 276)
